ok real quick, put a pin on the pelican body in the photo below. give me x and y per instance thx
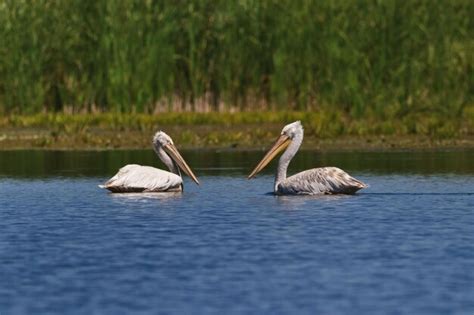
(316, 181)
(138, 178)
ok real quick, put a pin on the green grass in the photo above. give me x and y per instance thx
(322, 124)
(360, 65)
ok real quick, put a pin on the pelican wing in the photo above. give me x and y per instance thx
(324, 180)
(138, 178)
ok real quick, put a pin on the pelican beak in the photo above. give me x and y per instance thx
(282, 142)
(178, 159)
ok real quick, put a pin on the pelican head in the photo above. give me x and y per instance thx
(288, 133)
(293, 129)
(162, 141)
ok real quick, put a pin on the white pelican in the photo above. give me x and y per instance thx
(138, 178)
(323, 180)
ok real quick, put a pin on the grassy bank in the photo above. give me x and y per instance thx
(245, 129)
(381, 59)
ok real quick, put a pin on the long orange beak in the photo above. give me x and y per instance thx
(282, 142)
(174, 154)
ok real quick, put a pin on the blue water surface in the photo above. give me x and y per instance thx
(403, 246)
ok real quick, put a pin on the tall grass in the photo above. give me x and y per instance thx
(384, 59)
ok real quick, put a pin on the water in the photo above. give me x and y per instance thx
(403, 246)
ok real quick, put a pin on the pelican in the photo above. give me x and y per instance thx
(323, 180)
(138, 178)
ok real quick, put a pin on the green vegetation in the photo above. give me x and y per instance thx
(323, 129)
(323, 124)
(361, 67)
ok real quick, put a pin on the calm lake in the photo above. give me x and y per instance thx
(405, 245)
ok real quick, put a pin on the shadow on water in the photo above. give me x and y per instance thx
(288, 198)
(34, 163)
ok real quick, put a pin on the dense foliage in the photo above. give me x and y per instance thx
(383, 59)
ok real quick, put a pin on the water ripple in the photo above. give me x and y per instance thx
(404, 246)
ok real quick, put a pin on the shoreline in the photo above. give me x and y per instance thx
(216, 138)
(226, 131)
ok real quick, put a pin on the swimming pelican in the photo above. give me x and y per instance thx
(138, 178)
(323, 180)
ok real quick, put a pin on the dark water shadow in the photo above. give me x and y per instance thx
(38, 163)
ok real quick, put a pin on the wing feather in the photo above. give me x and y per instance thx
(323, 180)
(138, 178)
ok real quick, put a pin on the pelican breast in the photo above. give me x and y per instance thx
(323, 180)
(138, 178)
